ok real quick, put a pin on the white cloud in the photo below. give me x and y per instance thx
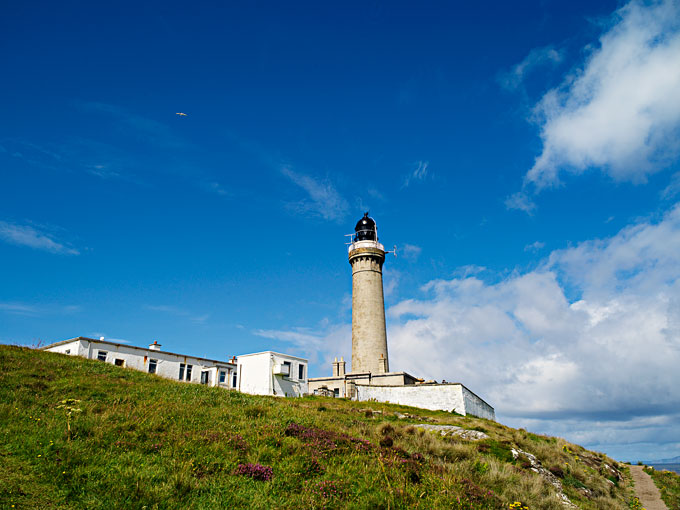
(323, 199)
(536, 57)
(535, 246)
(26, 235)
(673, 188)
(419, 173)
(411, 251)
(609, 354)
(321, 345)
(586, 346)
(521, 201)
(18, 309)
(34, 310)
(392, 277)
(620, 112)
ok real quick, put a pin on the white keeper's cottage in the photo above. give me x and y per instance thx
(266, 373)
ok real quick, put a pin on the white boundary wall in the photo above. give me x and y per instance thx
(437, 397)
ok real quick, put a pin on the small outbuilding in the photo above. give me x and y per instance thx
(272, 373)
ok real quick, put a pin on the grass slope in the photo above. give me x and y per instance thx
(84, 434)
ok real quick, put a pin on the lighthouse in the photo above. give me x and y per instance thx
(369, 338)
(370, 378)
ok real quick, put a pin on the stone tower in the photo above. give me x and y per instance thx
(369, 338)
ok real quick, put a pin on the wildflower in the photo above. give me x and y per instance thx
(255, 471)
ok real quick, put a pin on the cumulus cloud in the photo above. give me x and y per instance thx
(608, 354)
(585, 346)
(33, 237)
(323, 199)
(619, 112)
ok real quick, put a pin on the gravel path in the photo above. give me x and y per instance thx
(646, 491)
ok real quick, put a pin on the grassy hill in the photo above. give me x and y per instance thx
(84, 434)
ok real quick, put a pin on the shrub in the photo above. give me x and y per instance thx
(255, 471)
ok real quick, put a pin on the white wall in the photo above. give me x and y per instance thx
(256, 375)
(437, 397)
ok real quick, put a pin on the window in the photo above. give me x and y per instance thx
(233, 381)
(152, 366)
(119, 362)
(101, 355)
(67, 351)
(223, 376)
(336, 392)
(182, 366)
(301, 371)
(286, 368)
(189, 367)
(205, 377)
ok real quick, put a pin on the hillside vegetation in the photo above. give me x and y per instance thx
(85, 434)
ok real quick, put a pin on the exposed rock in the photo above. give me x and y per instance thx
(452, 430)
(536, 467)
(403, 416)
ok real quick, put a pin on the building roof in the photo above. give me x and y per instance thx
(146, 349)
(273, 352)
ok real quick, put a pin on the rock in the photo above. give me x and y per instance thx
(453, 430)
(536, 467)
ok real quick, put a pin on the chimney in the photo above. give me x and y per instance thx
(233, 360)
(341, 367)
(155, 346)
(382, 364)
(101, 338)
(336, 367)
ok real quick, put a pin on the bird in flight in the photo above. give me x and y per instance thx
(181, 114)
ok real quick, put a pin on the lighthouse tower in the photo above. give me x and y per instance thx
(369, 338)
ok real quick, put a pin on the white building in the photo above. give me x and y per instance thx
(152, 360)
(272, 373)
(266, 373)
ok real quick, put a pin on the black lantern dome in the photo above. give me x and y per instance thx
(366, 229)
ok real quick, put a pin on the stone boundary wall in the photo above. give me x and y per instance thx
(437, 397)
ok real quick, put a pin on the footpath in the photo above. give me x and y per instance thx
(646, 491)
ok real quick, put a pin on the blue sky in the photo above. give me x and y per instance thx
(523, 159)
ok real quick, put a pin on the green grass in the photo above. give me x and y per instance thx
(85, 434)
(668, 483)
